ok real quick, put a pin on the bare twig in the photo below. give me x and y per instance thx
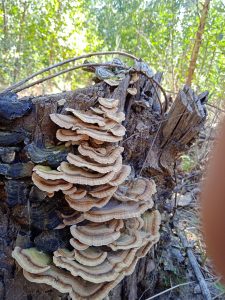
(65, 71)
(195, 267)
(216, 107)
(66, 62)
(170, 289)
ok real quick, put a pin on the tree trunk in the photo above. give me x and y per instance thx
(152, 144)
(197, 43)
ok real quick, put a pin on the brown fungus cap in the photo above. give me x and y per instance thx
(96, 234)
(102, 155)
(86, 203)
(120, 176)
(117, 210)
(87, 117)
(77, 175)
(65, 253)
(102, 191)
(47, 173)
(116, 116)
(65, 121)
(152, 221)
(111, 114)
(78, 245)
(72, 219)
(96, 274)
(128, 240)
(135, 223)
(121, 258)
(71, 191)
(67, 135)
(50, 186)
(108, 268)
(101, 135)
(64, 282)
(77, 288)
(139, 189)
(91, 256)
(32, 260)
(78, 194)
(80, 161)
(108, 103)
(108, 110)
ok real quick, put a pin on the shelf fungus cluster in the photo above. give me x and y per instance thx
(112, 223)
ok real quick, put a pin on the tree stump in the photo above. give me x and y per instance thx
(152, 144)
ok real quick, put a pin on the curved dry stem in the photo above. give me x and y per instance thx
(65, 71)
(16, 85)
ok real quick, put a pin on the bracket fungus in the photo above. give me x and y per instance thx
(108, 211)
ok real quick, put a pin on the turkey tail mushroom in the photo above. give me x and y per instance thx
(109, 215)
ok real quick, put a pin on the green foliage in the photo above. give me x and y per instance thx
(187, 163)
(37, 33)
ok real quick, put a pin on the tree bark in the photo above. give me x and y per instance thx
(152, 144)
(197, 43)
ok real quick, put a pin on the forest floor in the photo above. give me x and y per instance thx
(178, 270)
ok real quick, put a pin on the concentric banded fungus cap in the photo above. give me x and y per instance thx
(77, 175)
(145, 248)
(103, 191)
(73, 123)
(67, 135)
(151, 225)
(108, 270)
(78, 245)
(65, 253)
(32, 260)
(120, 176)
(87, 117)
(50, 186)
(136, 190)
(91, 256)
(135, 223)
(152, 221)
(104, 272)
(108, 103)
(67, 122)
(128, 240)
(111, 114)
(97, 234)
(80, 161)
(102, 155)
(76, 194)
(47, 173)
(71, 191)
(116, 116)
(108, 110)
(121, 258)
(77, 288)
(117, 210)
(101, 135)
(86, 203)
(72, 219)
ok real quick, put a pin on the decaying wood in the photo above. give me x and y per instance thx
(27, 136)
